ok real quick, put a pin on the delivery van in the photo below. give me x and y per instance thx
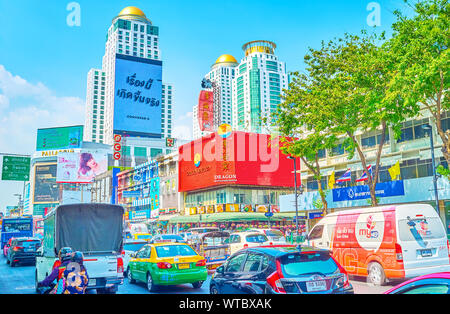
(387, 242)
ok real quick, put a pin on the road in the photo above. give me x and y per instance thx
(20, 280)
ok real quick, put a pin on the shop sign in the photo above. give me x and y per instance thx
(232, 208)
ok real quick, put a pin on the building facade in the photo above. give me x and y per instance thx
(133, 37)
(257, 87)
(222, 74)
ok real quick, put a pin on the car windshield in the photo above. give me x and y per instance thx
(211, 241)
(274, 233)
(133, 246)
(256, 238)
(298, 264)
(172, 237)
(174, 250)
(418, 229)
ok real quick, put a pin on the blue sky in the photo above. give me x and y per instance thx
(44, 62)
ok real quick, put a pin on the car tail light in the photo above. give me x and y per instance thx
(201, 263)
(245, 246)
(342, 270)
(16, 248)
(274, 280)
(123, 253)
(270, 243)
(398, 253)
(120, 265)
(448, 248)
(164, 265)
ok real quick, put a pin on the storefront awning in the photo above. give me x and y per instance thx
(228, 217)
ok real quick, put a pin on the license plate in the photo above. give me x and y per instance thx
(29, 250)
(314, 286)
(92, 282)
(426, 253)
(183, 266)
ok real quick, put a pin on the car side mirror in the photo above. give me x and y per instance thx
(133, 255)
(220, 269)
(40, 251)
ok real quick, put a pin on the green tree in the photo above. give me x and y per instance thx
(420, 47)
(344, 92)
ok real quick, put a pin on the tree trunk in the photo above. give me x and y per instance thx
(316, 172)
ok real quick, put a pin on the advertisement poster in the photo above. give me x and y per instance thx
(154, 194)
(206, 111)
(248, 208)
(80, 167)
(193, 211)
(59, 138)
(202, 210)
(137, 97)
(262, 209)
(210, 209)
(220, 208)
(45, 187)
(232, 208)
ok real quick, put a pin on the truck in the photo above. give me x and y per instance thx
(94, 229)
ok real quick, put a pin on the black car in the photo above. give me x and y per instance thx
(280, 269)
(22, 250)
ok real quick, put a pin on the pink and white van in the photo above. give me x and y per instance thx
(387, 242)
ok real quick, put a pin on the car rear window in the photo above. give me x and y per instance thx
(297, 264)
(274, 233)
(133, 246)
(172, 237)
(256, 238)
(32, 243)
(174, 250)
(418, 229)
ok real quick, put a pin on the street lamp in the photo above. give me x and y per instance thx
(296, 196)
(428, 129)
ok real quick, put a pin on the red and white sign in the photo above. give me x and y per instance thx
(206, 111)
(117, 147)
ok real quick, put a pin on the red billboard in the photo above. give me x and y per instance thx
(237, 158)
(206, 111)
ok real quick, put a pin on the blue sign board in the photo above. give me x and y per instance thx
(315, 215)
(269, 214)
(137, 96)
(131, 193)
(383, 189)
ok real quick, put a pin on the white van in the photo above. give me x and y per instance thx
(386, 242)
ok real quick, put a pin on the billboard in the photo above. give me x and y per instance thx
(233, 158)
(46, 189)
(59, 138)
(80, 167)
(137, 97)
(206, 111)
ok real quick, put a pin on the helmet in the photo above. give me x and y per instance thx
(77, 257)
(65, 254)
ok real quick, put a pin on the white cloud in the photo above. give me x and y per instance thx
(183, 132)
(25, 107)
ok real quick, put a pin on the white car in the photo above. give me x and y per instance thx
(275, 236)
(130, 246)
(243, 240)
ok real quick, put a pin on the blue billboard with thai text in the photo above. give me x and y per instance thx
(137, 98)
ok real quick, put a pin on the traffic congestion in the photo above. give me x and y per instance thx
(70, 256)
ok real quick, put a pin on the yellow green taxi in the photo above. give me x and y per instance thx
(166, 264)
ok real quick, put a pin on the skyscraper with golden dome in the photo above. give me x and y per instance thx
(222, 73)
(132, 40)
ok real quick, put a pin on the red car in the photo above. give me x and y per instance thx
(438, 283)
(6, 247)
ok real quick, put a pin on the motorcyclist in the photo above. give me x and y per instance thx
(65, 256)
(61, 252)
(75, 275)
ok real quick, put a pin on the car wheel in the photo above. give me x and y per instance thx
(376, 274)
(7, 261)
(213, 290)
(150, 284)
(129, 276)
(197, 285)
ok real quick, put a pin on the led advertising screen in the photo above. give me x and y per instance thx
(45, 187)
(137, 98)
(80, 167)
(59, 138)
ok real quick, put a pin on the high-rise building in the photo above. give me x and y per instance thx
(222, 74)
(132, 54)
(258, 84)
